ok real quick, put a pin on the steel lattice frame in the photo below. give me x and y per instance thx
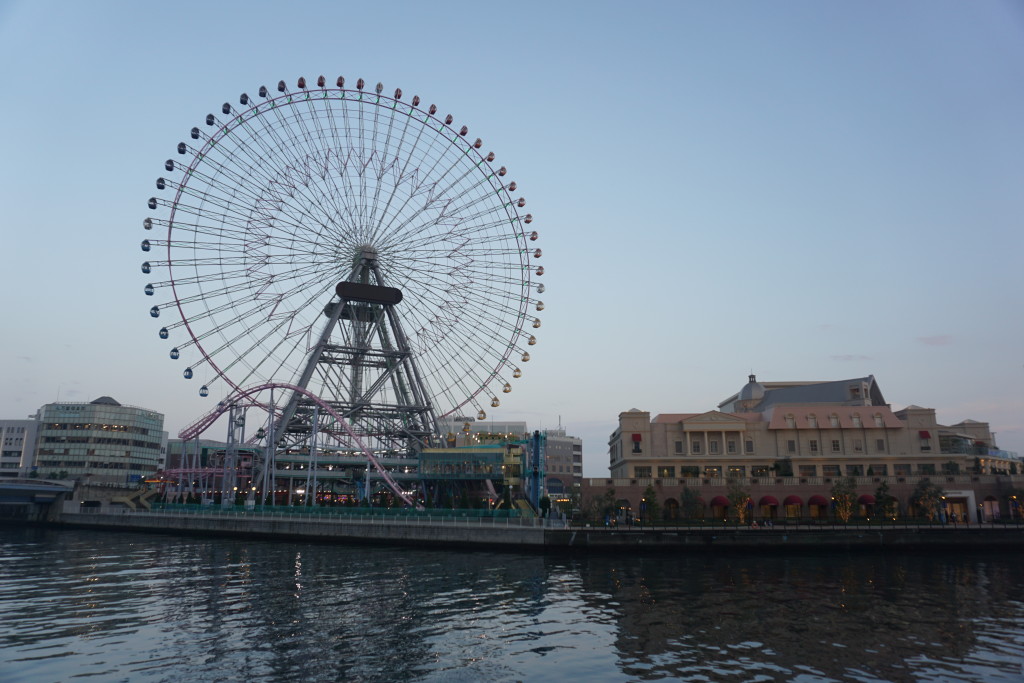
(271, 202)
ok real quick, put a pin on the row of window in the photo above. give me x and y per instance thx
(102, 440)
(94, 426)
(713, 446)
(93, 464)
(740, 471)
(833, 420)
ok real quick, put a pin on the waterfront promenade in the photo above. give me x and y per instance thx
(533, 534)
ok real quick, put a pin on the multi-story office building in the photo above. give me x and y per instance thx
(99, 442)
(804, 434)
(17, 454)
(564, 456)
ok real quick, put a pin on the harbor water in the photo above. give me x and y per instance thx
(105, 606)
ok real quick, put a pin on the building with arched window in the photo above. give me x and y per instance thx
(788, 442)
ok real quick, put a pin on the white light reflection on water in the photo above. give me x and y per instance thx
(125, 607)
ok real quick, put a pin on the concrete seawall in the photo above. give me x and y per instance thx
(788, 540)
(441, 532)
(529, 535)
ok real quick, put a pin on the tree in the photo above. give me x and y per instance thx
(885, 504)
(690, 505)
(927, 497)
(844, 492)
(652, 510)
(739, 500)
(599, 506)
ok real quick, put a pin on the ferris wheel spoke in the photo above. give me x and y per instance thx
(279, 203)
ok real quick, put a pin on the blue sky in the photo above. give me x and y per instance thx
(805, 190)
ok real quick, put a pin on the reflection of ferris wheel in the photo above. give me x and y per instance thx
(279, 209)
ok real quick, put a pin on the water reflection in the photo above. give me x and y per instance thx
(876, 616)
(135, 607)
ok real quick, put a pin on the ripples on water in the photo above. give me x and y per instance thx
(96, 606)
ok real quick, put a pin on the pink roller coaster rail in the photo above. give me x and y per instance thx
(206, 421)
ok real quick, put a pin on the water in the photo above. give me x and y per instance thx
(96, 606)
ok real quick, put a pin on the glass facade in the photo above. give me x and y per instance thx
(102, 441)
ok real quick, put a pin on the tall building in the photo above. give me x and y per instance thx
(99, 442)
(564, 455)
(17, 454)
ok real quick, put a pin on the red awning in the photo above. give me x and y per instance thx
(866, 499)
(720, 501)
(769, 500)
(793, 500)
(818, 500)
(636, 437)
(924, 434)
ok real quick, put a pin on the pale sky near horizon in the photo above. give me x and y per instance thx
(805, 190)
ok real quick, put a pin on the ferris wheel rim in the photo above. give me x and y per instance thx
(457, 140)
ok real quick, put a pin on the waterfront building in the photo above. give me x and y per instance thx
(99, 442)
(563, 453)
(18, 450)
(804, 436)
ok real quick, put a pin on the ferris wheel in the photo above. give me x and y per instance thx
(277, 200)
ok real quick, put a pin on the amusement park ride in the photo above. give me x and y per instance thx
(350, 268)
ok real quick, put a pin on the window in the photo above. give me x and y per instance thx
(790, 422)
(926, 444)
(858, 446)
(667, 472)
(695, 447)
(856, 420)
(830, 470)
(642, 472)
(714, 446)
(711, 471)
(835, 445)
(761, 470)
(791, 446)
(814, 445)
(879, 422)
(730, 446)
(855, 470)
(833, 420)
(926, 469)
(880, 445)
(636, 445)
(812, 421)
(738, 471)
(748, 445)
(878, 471)
(808, 470)
(679, 446)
